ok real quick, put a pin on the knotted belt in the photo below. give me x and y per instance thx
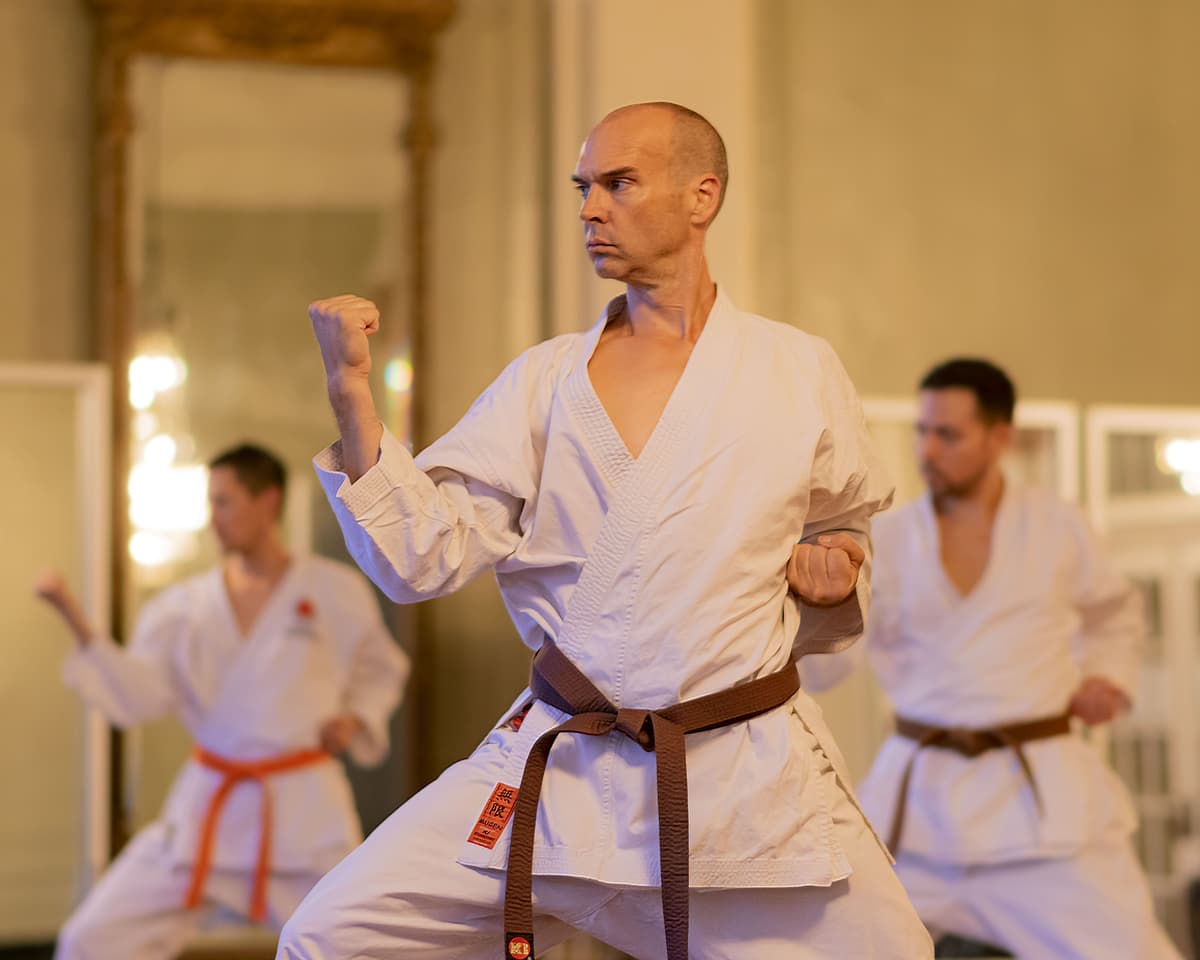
(555, 680)
(235, 772)
(972, 743)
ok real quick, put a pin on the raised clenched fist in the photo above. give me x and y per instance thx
(342, 325)
(825, 573)
(51, 587)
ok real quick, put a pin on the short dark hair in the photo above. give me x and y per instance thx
(993, 389)
(256, 468)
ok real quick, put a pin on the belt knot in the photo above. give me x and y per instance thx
(972, 743)
(638, 726)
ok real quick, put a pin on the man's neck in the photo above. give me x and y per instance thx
(981, 502)
(676, 307)
(266, 560)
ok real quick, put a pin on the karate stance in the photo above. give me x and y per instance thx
(996, 620)
(639, 490)
(274, 664)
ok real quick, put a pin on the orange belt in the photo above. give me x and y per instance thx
(237, 771)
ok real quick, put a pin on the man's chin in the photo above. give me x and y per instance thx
(944, 489)
(608, 268)
(938, 486)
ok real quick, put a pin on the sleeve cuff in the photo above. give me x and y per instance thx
(830, 629)
(389, 470)
(81, 665)
(369, 747)
(1124, 676)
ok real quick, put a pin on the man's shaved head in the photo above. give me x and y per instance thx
(651, 177)
(696, 147)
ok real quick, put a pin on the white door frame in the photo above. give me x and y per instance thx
(93, 438)
(1099, 422)
(1139, 512)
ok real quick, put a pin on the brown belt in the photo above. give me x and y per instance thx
(971, 743)
(555, 680)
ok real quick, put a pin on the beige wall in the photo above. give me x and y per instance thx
(1013, 179)
(45, 137)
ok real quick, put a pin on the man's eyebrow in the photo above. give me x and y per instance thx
(606, 175)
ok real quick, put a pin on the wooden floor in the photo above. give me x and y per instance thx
(580, 948)
(43, 951)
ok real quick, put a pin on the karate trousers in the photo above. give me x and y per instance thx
(403, 896)
(1095, 905)
(136, 911)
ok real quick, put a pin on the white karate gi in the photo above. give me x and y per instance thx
(975, 855)
(662, 578)
(318, 648)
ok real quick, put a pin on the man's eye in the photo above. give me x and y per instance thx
(581, 189)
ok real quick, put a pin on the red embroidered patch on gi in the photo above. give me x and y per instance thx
(519, 719)
(305, 609)
(519, 948)
(494, 818)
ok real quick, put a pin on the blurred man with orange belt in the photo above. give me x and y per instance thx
(274, 664)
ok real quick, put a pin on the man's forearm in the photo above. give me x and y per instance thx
(74, 616)
(359, 425)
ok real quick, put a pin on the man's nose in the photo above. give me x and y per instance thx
(926, 450)
(593, 208)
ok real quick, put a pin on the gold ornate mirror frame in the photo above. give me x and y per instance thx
(392, 35)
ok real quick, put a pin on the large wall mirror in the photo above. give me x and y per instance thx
(252, 155)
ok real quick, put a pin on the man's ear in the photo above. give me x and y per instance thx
(1002, 435)
(706, 199)
(273, 497)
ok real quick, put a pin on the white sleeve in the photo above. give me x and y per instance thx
(825, 671)
(378, 673)
(423, 527)
(849, 485)
(1112, 635)
(129, 685)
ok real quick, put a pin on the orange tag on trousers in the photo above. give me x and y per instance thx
(494, 818)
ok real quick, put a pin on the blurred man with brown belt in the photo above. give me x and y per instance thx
(996, 620)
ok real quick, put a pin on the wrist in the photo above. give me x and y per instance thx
(84, 634)
(349, 389)
(828, 604)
